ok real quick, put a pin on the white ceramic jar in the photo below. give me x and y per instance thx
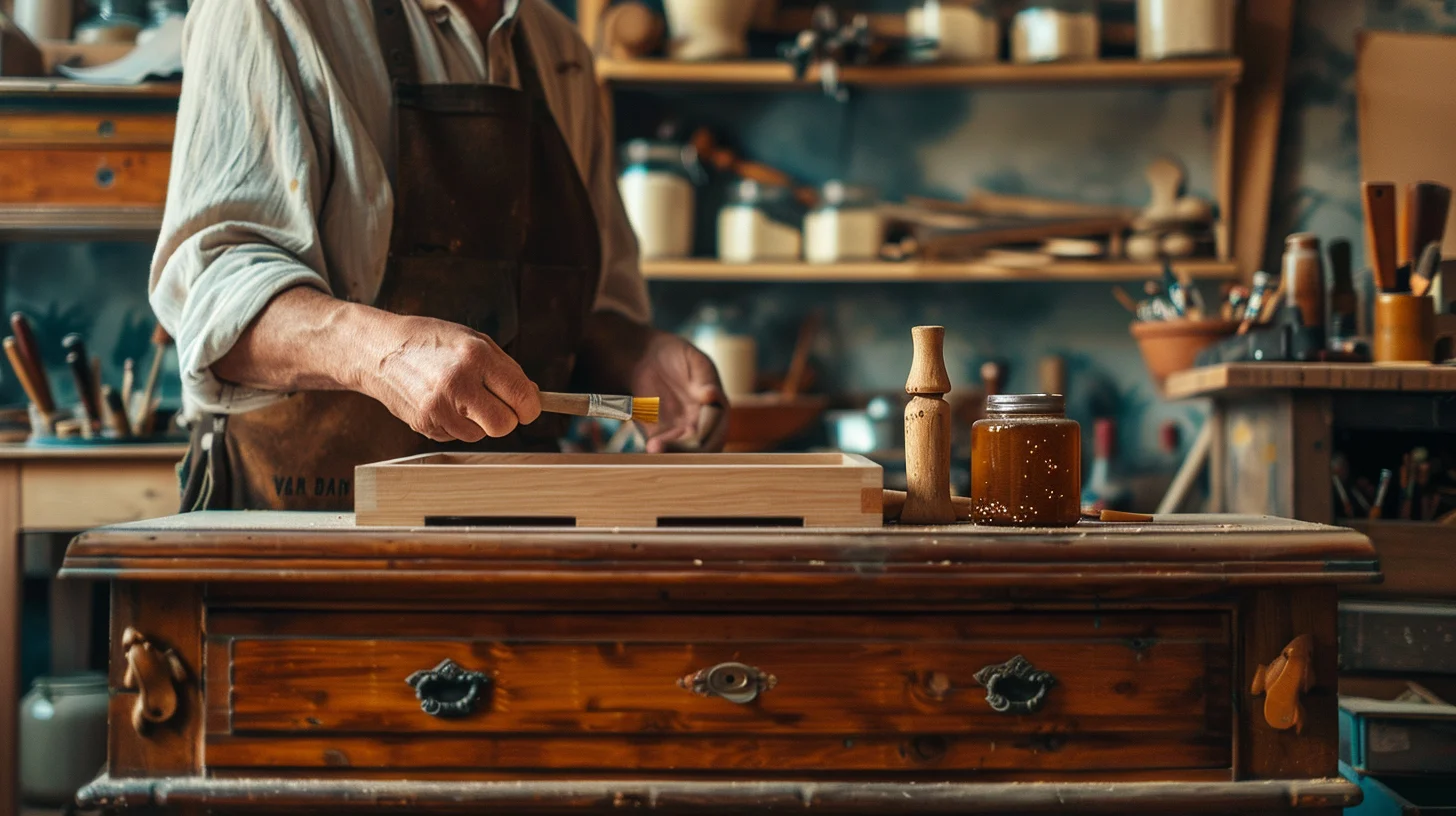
(658, 193)
(1055, 31)
(845, 226)
(62, 737)
(966, 31)
(708, 29)
(1185, 28)
(753, 226)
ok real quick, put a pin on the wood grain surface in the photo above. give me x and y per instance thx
(1212, 380)
(844, 675)
(809, 490)
(84, 177)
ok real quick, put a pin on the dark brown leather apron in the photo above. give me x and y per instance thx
(493, 229)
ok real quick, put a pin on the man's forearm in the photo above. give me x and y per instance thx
(303, 340)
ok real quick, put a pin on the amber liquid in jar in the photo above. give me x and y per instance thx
(1026, 463)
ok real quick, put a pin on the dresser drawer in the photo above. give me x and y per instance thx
(84, 177)
(100, 130)
(793, 693)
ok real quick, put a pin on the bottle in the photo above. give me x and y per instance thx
(1304, 278)
(1105, 489)
(1344, 303)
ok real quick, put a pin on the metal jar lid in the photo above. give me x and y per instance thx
(1027, 404)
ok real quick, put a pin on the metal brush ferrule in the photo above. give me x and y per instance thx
(619, 408)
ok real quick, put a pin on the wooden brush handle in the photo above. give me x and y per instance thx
(1430, 203)
(1379, 200)
(30, 353)
(114, 413)
(569, 404)
(22, 372)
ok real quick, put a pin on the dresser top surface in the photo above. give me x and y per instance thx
(269, 546)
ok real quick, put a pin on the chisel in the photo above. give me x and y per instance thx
(1379, 204)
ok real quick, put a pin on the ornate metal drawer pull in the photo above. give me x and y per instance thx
(449, 690)
(734, 682)
(1016, 686)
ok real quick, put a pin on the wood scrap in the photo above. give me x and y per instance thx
(945, 245)
(988, 203)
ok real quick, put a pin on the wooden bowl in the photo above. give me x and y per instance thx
(1170, 346)
(761, 422)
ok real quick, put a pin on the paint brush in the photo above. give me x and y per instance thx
(81, 373)
(1381, 491)
(143, 415)
(640, 409)
(22, 371)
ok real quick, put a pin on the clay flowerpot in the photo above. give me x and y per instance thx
(708, 29)
(1170, 346)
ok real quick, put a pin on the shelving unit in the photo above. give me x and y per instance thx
(697, 269)
(1222, 75)
(778, 74)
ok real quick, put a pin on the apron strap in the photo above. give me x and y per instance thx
(526, 65)
(395, 42)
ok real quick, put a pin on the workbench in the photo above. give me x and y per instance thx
(65, 489)
(283, 662)
(1274, 434)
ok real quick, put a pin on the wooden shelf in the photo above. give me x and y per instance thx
(777, 73)
(67, 221)
(701, 269)
(1212, 380)
(56, 86)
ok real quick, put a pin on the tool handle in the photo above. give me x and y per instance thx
(22, 372)
(1425, 271)
(30, 354)
(1379, 201)
(1430, 204)
(81, 372)
(569, 404)
(1340, 265)
(115, 413)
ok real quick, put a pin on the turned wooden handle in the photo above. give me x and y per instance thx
(154, 674)
(894, 502)
(569, 404)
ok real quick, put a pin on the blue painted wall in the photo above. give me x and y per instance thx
(1088, 144)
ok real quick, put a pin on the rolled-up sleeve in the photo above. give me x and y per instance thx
(241, 221)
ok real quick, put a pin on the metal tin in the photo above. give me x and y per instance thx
(1026, 404)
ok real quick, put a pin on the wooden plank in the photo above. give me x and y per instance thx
(718, 798)
(47, 131)
(10, 602)
(70, 496)
(675, 753)
(1312, 447)
(1267, 622)
(1232, 377)
(1415, 559)
(1258, 476)
(169, 620)
(50, 86)
(1264, 37)
(777, 73)
(912, 675)
(1223, 163)
(29, 220)
(698, 269)
(125, 178)
(164, 453)
(810, 490)
(589, 18)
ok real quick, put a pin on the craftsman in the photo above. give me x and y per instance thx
(446, 162)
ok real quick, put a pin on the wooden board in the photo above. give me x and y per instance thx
(1211, 380)
(624, 490)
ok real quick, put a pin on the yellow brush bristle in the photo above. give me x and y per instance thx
(644, 409)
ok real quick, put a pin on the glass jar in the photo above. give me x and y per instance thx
(846, 226)
(1026, 463)
(1055, 31)
(759, 224)
(114, 21)
(62, 737)
(953, 31)
(657, 187)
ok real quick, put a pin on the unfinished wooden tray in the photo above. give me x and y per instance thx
(620, 490)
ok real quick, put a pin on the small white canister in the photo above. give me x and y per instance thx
(658, 193)
(846, 226)
(1185, 28)
(754, 225)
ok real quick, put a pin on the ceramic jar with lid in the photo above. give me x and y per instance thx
(708, 29)
(1026, 463)
(966, 31)
(1185, 28)
(1055, 31)
(846, 226)
(759, 223)
(657, 187)
(62, 737)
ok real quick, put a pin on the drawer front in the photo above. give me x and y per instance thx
(84, 177)
(1102, 691)
(97, 130)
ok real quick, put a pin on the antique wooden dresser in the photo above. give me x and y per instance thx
(291, 663)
